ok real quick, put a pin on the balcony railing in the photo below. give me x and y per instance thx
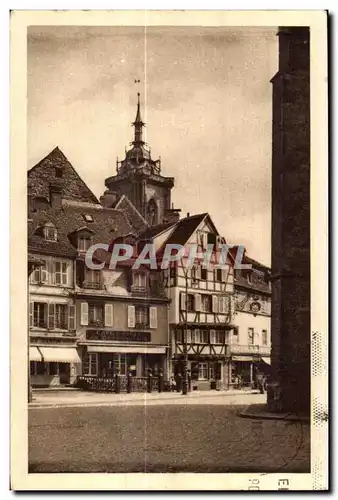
(250, 348)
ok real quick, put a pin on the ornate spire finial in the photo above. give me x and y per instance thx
(138, 124)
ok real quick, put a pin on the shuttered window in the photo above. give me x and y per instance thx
(108, 315)
(84, 313)
(131, 316)
(71, 318)
(153, 317)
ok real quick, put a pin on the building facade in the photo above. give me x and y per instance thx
(251, 339)
(201, 303)
(84, 320)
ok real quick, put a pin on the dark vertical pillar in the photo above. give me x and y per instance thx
(290, 315)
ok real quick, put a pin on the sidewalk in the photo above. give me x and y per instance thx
(82, 398)
(261, 411)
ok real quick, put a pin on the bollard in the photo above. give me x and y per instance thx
(118, 382)
(149, 381)
(160, 380)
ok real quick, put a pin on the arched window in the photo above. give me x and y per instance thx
(152, 212)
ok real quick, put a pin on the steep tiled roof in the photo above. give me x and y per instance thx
(135, 218)
(152, 231)
(185, 228)
(107, 225)
(41, 175)
(255, 279)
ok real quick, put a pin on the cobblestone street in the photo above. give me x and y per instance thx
(198, 436)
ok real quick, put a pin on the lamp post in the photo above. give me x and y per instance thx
(185, 339)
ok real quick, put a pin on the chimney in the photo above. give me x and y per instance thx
(55, 195)
(188, 214)
(109, 199)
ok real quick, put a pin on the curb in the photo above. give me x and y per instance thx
(267, 415)
(131, 401)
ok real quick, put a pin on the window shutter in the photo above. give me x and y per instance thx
(215, 304)
(108, 315)
(224, 275)
(131, 316)
(84, 313)
(57, 273)
(44, 275)
(153, 317)
(212, 336)
(31, 312)
(221, 304)
(197, 302)
(183, 301)
(51, 316)
(71, 317)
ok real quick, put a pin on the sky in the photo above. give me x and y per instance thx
(206, 98)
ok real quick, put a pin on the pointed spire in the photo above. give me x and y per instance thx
(138, 124)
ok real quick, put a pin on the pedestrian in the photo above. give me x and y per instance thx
(172, 384)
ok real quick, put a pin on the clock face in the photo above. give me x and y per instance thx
(255, 306)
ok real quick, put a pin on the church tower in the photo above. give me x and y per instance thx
(139, 178)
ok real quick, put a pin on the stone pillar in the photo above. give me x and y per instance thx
(290, 313)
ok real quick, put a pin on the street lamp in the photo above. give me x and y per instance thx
(185, 335)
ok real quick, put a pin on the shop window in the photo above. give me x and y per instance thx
(90, 364)
(40, 368)
(203, 371)
(61, 316)
(40, 314)
(211, 372)
(95, 314)
(53, 368)
(250, 336)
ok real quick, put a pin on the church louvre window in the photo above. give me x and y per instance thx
(152, 212)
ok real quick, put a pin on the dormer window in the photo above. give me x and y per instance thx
(249, 278)
(84, 243)
(88, 218)
(50, 232)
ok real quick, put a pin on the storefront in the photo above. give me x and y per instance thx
(244, 369)
(53, 366)
(204, 370)
(106, 361)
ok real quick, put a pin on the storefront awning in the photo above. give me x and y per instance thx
(34, 354)
(60, 354)
(266, 360)
(127, 350)
(242, 358)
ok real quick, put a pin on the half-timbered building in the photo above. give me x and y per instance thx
(201, 302)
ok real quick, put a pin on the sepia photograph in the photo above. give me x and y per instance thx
(169, 262)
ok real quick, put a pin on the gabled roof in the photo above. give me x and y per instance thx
(107, 225)
(152, 231)
(259, 276)
(185, 228)
(44, 173)
(135, 218)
